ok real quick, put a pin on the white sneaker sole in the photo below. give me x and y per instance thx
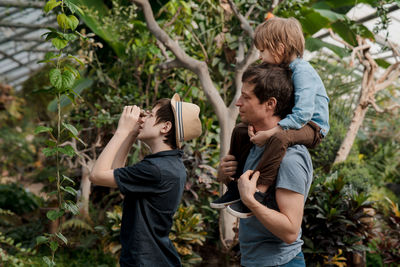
(238, 214)
(220, 206)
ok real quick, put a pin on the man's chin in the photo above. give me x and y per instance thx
(243, 119)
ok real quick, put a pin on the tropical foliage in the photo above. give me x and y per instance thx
(110, 59)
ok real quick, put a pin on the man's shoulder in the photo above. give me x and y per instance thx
(295, 172)
(296, 153)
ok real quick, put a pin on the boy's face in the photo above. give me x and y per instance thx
(267, 57)
(149, 129)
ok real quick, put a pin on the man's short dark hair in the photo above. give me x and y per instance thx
(164, 114)
(272, 81)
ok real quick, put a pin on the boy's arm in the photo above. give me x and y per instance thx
(305, 82)
(115, 153)
(122, 153)
(260, 137)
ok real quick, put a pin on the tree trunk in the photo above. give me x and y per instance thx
(227, 222)
(358, 118)
(83, 201)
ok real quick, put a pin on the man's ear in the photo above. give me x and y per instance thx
(167, 127)
(270, 104)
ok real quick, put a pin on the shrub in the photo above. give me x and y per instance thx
(334, 220)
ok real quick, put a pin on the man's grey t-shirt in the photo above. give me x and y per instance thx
(258, 246)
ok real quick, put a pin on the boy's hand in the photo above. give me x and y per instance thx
(130, 120)
(259, 138)
(227, 168)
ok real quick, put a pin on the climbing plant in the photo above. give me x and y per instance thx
(63, 74)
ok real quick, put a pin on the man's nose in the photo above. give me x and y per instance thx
(238, 102)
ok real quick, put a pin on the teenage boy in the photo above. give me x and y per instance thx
(153, 187)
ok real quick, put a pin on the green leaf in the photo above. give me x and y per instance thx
(54, 214)
(50, 35)
(345, 32)
(72, 207)
(78, 88)
(73, 70)
(66, 178)
(62, 21)
(42, 129)
(41, 239)
(51, 55)
(314, 44)
(77, 60)
(332, 16)
(72, 22)
(67, 150)
(62, 237)
(53, 245)
(68, 79)
(48, 151)
(74, 8)
(70, 128)
(69, 36)
(59, 43)
(51, 179)
(49, 262)
(55, 78)
(70, 190)
(312, 21)
(50, 5)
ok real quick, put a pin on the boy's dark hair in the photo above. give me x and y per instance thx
(272, 81)
(164, 114)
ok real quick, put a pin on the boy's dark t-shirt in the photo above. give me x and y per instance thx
(153, 189)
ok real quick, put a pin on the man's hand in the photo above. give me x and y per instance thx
(227, 168)
(130, 120)
(248, 186)
(259, 138)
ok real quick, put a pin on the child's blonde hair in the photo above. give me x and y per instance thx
(276, 32)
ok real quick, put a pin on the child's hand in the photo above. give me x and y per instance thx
(259, 138)
(129, 121)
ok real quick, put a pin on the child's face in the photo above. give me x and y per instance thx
(267, 57)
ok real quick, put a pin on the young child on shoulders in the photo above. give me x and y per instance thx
(280, 41)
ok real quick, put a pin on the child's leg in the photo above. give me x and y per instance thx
(275, 149)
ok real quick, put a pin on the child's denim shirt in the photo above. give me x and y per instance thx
(311, 100)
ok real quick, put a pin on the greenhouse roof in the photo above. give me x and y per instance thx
(23, 22)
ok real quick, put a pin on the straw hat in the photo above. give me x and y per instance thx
(187, 122)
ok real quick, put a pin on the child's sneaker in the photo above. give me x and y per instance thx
(231, 196)
(240, 210)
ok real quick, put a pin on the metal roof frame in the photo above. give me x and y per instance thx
(21, 22)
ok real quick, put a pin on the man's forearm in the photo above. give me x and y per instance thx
(276, 222)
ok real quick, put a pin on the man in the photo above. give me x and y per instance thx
(153, 187)
(272, 236)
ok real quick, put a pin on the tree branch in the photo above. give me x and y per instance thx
(196, 66)
(174, 18)
(388, 109)
(163, 49)
(242, 62)
(394, 76)
(171, 64)
(244, 24)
